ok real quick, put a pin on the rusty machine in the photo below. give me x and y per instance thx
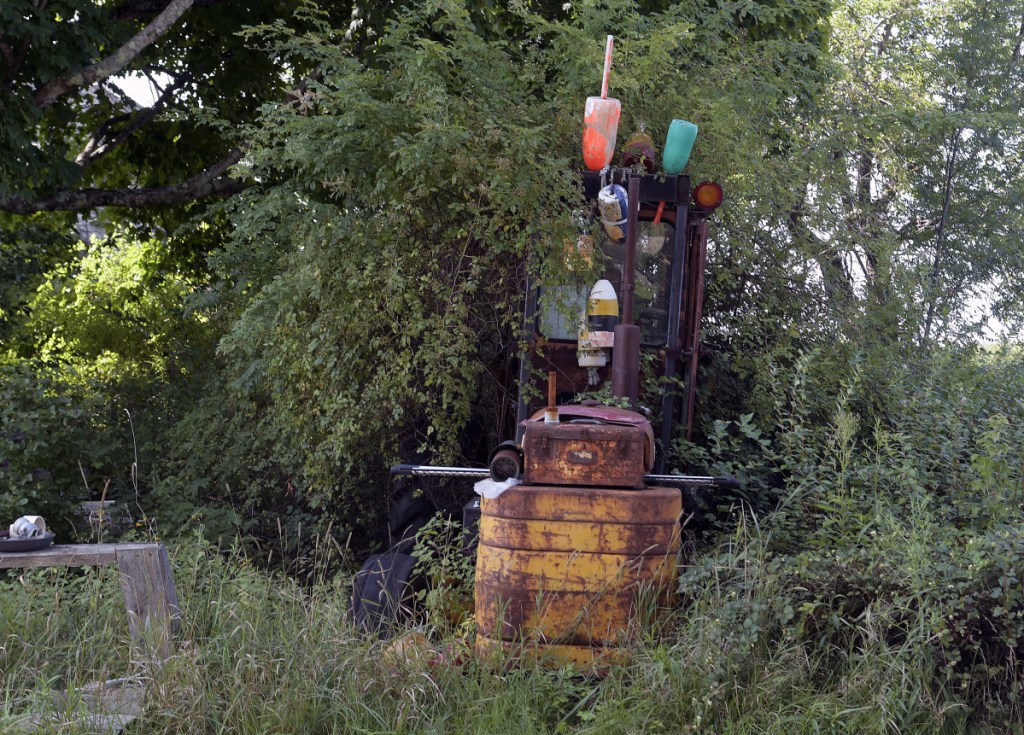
(564, 556)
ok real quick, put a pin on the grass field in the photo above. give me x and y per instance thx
(258, 653)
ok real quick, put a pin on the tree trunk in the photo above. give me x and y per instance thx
(940, 235)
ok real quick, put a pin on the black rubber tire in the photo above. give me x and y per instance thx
(407, 508)
(405, 541)
(383, 593)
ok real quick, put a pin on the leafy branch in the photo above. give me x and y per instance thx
(55, 88)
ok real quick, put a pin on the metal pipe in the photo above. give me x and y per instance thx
(626, 350)
(681, 270)
(626, 363)
(529, 327)
(629, 264)
(551, 412)
(480, 473)
(700, 256)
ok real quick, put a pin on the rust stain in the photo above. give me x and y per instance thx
(555, 503)
(574, 582)
(583, 536)
(558, 617)
(597, 660)
(593, 455)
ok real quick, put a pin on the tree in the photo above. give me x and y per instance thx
(315, 123)
(911, 205)
(71, 138)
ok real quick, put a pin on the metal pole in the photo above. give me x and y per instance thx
(479, 473)
(626, 350)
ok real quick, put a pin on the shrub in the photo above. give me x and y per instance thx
(58, 443)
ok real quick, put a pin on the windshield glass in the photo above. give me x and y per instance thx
(561, 309)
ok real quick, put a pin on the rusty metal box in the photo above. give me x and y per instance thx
(588, 454)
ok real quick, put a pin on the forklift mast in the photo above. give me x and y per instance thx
(669, 292)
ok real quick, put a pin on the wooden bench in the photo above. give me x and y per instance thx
(146, 581)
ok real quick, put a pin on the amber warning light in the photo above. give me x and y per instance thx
(707, 195)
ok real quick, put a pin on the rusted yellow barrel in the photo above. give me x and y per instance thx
(560, 570)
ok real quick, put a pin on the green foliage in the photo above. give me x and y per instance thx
(894, 540)
(55, 438)
(372, 288)
(58, 624)
(365, 308)
(27, 253)
(744, 657)
(119, 314)
(734, 449)
(98, 136)
(876, 226)
(923, 111)
(443, 560)
(113, 352)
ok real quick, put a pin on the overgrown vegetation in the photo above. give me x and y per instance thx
(249, 370)
(868, 603)
(895, 543)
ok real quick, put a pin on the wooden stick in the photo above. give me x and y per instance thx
(607, 67)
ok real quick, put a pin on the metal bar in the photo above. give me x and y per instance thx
(653, 187)
(691, 383)
(626, 352)
(529, 329)
(675, 305)
(629, 266)
(692, 481)
(480, 473)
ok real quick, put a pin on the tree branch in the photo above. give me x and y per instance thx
(211, 182)
(102, 142)
(830, 262)
(117, 61)
(940, 234)
(94, 147)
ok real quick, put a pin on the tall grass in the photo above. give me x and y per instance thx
(259, 653)
(883, 595)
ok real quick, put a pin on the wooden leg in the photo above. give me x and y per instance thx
(150, 598)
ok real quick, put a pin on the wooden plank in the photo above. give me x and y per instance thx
(77, 555)
(69, 555)
(150, 597)
(145, 573)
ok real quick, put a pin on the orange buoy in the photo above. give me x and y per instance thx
(601, 121)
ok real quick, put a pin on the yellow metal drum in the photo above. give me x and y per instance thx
(598, 660)
(560, 570)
